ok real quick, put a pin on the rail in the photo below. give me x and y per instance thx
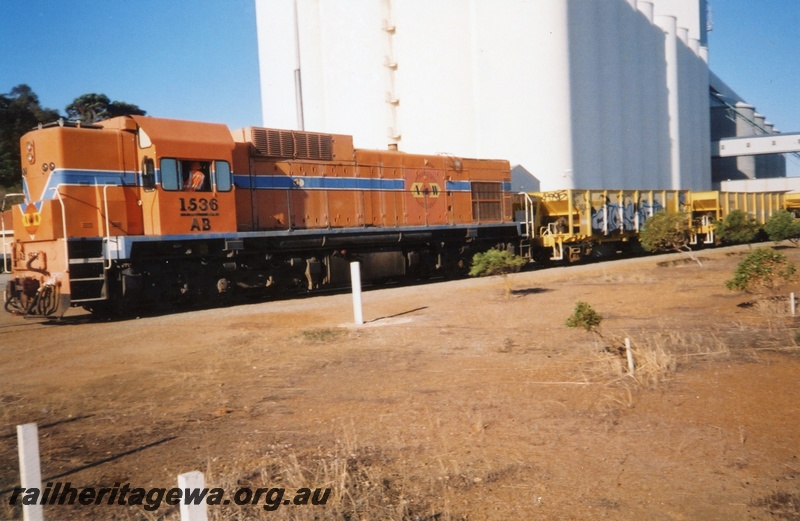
(527, 230)
(107, 262)
(529, 227)
(63, 226)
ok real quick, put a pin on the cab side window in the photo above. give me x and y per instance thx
(222, 176)
(148, 174)
(189, 175)
(170, 176)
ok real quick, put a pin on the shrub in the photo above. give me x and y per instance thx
(783, 226)
(738, 227)
(584, 316)
(666, 231)
(496, 262)
(762, 270)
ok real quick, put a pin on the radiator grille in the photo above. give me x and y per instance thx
(487, 201)
(289, 144)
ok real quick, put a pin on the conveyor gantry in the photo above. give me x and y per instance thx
(756, 145)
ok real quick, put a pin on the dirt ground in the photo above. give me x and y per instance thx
(452, 402)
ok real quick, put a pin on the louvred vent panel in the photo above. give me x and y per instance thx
(289, 144)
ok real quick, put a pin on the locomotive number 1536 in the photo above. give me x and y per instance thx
(200, 209)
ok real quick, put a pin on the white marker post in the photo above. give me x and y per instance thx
(191, 481)
(355, 279)
(629, 354)
(30, 472)
(793, 304)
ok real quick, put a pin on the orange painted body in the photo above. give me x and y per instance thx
(136, 199)
(343, 187)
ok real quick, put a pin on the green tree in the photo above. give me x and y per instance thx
(782, 226)
(763, 270)
(23, 97)
(738, 227)
(88, 108)
(20, 111)
(496, 262)
(120, 108)
(666, 231)
(93, 107)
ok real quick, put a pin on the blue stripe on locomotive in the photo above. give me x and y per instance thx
(63, 176)
(249, 182)
(283, 182)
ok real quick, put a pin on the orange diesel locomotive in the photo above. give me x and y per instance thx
(138, 211)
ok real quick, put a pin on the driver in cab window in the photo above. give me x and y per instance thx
(195, 179)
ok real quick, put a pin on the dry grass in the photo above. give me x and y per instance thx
(654, 362)
(657, 356)
(363, 482)
(772, 307)
(321, 335)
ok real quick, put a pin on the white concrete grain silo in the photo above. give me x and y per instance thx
(581, 93)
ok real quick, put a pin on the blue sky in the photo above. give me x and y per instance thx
(197, 59)
(754, 46)
(185, 59)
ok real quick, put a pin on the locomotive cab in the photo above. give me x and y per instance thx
(170, 153)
